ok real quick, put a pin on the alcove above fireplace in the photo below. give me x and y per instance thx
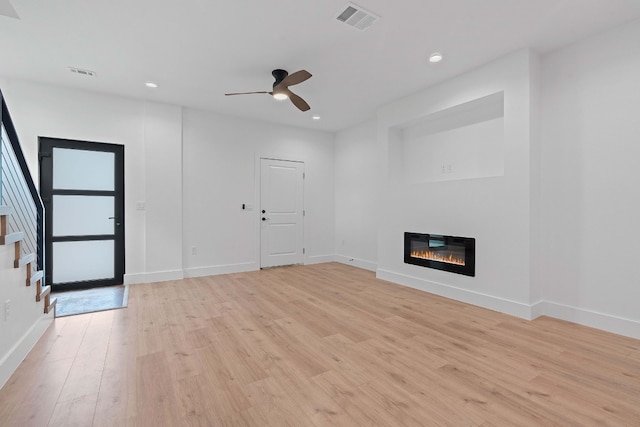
(448, 253)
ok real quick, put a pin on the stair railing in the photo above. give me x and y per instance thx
(18, 190)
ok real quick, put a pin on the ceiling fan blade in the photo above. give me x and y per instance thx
(299, 102)
(247, 93)
(295, 78)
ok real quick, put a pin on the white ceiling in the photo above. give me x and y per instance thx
(196, 50)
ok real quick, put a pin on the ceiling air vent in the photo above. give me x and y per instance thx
(82, 72)
(357, 17)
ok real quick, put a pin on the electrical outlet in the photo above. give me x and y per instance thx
(7, 309)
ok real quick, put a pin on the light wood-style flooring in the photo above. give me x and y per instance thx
(322, 345)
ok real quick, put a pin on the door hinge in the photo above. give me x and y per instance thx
(304, 175)
(303, 251)
(304, 212)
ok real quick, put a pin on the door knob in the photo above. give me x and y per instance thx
(263, 211)
(264, 219)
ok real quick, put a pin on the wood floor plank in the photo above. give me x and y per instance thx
(75, 412)
(116, 403)
(88, 365)
(320, 345)
(156, 394)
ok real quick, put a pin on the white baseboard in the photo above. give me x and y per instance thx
(605, 322)
(502, 305)
(10, 362)
(214, 270)
(360, 263)
(154, 276)
(538, 309)
(594, 319)
(318, 259)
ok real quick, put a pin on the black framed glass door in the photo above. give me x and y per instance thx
(82, 188)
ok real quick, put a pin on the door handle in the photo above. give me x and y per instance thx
(264, 219)
(117, 220)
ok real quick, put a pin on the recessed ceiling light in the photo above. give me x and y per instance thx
(151, 85)
(316, 117)
(280, 96)
(435, 57)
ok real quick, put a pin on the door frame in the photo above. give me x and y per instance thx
(258, 215)
(45, 150)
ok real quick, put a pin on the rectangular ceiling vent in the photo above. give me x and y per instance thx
(357, 17)
(82, 72)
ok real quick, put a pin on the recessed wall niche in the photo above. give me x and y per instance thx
(465, 141)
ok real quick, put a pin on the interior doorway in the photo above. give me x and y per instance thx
(82, 188)
(281, 212)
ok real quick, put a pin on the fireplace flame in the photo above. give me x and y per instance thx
(435, 256)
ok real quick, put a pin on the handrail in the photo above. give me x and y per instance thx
(33, 195)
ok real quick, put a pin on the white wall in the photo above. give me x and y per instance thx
(568, 197)
(221, 172)
(590, 176)
(151, 134)
(356, 192)
(493, 210)
(25, 324)
(163, 192)
(192, 170)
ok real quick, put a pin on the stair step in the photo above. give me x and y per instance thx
(4, 211)
(11, 238)
(29, 258)
(50, 306)
(36, 278)
(43, 293)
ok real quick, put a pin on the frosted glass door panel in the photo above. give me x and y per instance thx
(83, 215)
(83, 170)
(81, 261)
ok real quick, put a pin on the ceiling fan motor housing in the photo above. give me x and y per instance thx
(279, 75)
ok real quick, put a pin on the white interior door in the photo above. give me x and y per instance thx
(281, 212)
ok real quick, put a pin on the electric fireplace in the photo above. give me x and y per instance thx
(448, 253)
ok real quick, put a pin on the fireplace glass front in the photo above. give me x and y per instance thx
(448, 253)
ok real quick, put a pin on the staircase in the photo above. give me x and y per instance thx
(25, 261)
(26, 306)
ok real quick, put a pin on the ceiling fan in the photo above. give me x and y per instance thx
(281, 87)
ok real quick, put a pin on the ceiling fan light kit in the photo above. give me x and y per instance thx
(280, 96)
(281, 89)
